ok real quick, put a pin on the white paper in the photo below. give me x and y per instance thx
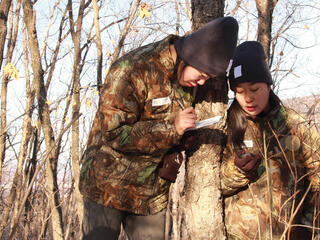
(206, 123)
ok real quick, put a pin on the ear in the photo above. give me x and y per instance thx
(182, 64)
(268, 88)
(181, 67)
(173, 53)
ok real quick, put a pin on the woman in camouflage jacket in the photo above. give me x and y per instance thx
(144, 109)
(270, 171)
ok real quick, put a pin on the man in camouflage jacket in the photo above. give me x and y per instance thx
(140, 117)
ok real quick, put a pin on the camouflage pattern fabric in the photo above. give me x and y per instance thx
(132, 130)
(288, 178)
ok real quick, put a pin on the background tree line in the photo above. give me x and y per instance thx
(54, 56)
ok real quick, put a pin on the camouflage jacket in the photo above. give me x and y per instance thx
(278, 196)
(132, 130)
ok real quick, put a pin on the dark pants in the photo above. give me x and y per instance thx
(103, 223)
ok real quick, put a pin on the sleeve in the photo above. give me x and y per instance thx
(310, 146)
(118, 122)
(310, 216)
(231, 178)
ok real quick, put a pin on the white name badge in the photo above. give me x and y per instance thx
(161, 101)
(248, 143)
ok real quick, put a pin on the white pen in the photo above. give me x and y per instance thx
(180, 103)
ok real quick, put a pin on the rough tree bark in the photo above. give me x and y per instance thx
(32, 162)
(204, 11)
(4, 11)
(11, 205)
(75, 29)
(265, 10)
(26, 137)
(203, 202)
(98, 44)
(44, 115)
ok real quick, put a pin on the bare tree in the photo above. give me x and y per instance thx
(17, 181)
(124, 31)
(26, 137)
(98, 43)
(4, 12)
(265, 10)
(278, 26)
(76, 29)
(44, 115)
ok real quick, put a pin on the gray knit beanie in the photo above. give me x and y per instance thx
(249, 65)
(210, 48)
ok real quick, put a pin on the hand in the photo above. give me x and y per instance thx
(185, 119)
(247, 163)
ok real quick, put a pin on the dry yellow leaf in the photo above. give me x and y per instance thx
(106, 71)
(12, 71)
(144, 10)
(37, 123)
(108, 52)
(88, 102)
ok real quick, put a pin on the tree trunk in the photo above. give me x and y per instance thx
(32, 163)
(76, 38)
(265, 10)
(29, 173)
(203, 200)
(16, 186)
(26, 135)
(98, 44)
(204, 11)
(4, 11)
(44, 115)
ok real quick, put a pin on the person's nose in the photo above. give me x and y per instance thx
(248, 97)
(201, 81)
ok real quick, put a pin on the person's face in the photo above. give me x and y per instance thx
(192, 77)
(252, 97)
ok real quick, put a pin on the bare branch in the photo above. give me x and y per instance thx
(125, 31)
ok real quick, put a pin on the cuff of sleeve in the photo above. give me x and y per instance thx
(231, 178)
(176, 138)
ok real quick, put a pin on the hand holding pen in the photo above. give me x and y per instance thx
(185, 119)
